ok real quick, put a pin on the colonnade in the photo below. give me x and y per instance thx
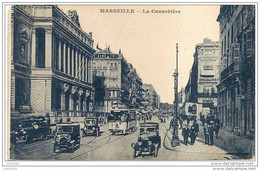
(63, 55)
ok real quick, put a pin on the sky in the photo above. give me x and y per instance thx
(148, 40)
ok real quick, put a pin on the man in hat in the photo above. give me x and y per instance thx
(206, 134)
(185, 134)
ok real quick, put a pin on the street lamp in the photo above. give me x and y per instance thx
(174, 123)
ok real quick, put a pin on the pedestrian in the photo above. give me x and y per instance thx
(192, 135)
(206, 134)
(180, 123)
(188, 120)
(203, 119)
(207, 119)
(196, 127)
(185, 134)
(211, 135)
(217, 126)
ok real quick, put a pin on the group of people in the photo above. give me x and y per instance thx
(211, 126)
(189, 129)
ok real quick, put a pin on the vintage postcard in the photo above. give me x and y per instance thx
(131, 82)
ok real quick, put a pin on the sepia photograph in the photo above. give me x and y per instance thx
(130, 82)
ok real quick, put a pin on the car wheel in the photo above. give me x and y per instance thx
(44, 136)
(134, 153)
(155, 152)
(54, 148)
(28, 138)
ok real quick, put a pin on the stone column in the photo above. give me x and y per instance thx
(84, 105)
(73, 91)
(90, 70)
(72, 62)
(68, 59)
(80, 75)
(83, 68)
(33, 64)
(76, 63)
(86, 68)
(87, 100)
(48, 48)
(64, 56)
(64, 89)
(59, 42)
(80, 94)
(62, 100)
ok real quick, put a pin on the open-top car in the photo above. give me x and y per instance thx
(149, 140)
(91, 127)
(33, 127)
(67, 137)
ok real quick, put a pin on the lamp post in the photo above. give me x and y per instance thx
(175, 137)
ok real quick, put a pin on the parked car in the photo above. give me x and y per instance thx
(67, 137)
(91, 127)
(33, 127)
(149, 140)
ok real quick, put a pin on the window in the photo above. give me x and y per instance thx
(208, 67)
(40, 48)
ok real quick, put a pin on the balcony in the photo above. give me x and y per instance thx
(232, 69)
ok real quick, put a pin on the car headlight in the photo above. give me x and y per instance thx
(149, 142)
(139, 143)
(133, 145)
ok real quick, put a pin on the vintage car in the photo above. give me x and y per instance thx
(33, 127)
(67, 137)
(91, 127)
(149, 140)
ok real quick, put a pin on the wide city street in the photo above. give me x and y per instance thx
(118, 147)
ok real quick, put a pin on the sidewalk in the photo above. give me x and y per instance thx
(236, 145)
(198, 151)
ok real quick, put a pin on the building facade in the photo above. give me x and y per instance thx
(122, 85)
(201, 90)
(207, 54)
(51, 63)
(150, 99)
(236, 97)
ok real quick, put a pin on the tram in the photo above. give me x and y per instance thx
(122, 121)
